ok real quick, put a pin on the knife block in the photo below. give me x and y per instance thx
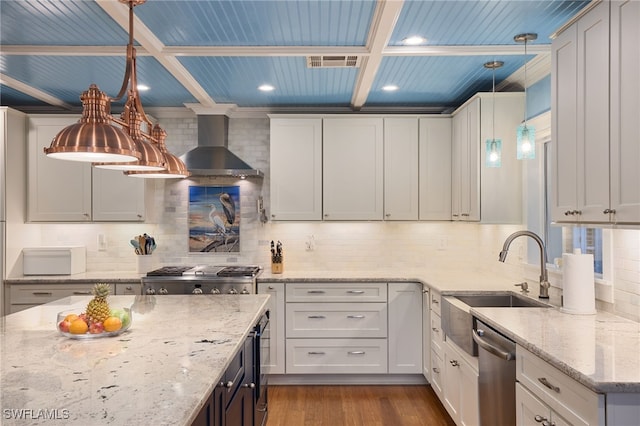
(277, 268)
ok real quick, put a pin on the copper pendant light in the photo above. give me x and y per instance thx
(95, 138)
(174, 167)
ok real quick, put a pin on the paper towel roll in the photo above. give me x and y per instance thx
(578, 285)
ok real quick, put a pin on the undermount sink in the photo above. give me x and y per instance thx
(457, 320)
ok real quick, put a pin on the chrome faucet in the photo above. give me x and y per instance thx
(544, 276)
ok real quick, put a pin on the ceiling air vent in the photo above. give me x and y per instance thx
(333, 61)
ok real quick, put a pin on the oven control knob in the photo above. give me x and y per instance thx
(151, 291)
(197, 291)
(163, 291)
(233, 291)
(244, 291)
(215, 291)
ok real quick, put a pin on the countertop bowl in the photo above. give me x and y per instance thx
(125, 316)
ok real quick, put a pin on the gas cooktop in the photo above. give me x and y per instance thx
(205, 271)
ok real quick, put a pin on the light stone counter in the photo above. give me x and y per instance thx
(82, 278)
(601, 351)
(158, 372)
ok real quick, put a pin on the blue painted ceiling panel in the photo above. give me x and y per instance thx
(58, 23)
(236, 79)
(10, 96)
(259, 23)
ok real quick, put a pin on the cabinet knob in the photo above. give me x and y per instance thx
(229, 384)
(270, 287)
(454, 215)
(609, 211)
(86, 215)
(436, 370)
(249, 385)
(388, 215)
(454, 363)
(568, 213)
(538, 418)
(273, 216)
(139, 216)
(326, 215)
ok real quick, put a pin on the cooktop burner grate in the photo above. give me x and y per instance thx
(169, 271)
(239, 271)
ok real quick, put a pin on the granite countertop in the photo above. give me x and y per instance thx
(81, 278)
(158, 372)
(600, 351)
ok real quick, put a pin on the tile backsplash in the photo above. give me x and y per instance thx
(336, 245)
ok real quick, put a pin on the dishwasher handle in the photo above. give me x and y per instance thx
(499, 352)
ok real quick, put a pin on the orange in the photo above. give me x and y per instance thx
(78, 327)
(71, 318)
(112, 324)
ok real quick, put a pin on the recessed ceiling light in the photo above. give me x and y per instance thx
(143, 88)
(414, 40)
(266, 88)
(390, 88)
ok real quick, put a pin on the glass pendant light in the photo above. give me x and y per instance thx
(526, 140)
(493, 146)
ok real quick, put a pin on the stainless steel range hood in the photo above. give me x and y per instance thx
(212, 156)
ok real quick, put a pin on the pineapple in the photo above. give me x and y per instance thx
(98, 309)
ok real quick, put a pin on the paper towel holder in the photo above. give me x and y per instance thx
(544, 275)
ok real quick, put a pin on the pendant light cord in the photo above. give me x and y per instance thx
(525, 82)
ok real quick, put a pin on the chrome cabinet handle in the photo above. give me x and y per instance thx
(436, 370)
(316, 292)
(355, 291)
(42, 293)
(229, 384)
(425, 291)
(316, 317)
(609, 211)
(465, 214)
(315, 353)
(538, 418)
(434, 301)
(81, 293)
(435, 329)
(356, 352)
(270, 287)
(249, 385)
(454, 363)
(355, 316)
(454, 215)
(387, 215)
(546, 382)
(573, 213)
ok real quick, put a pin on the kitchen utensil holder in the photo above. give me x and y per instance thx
(145, 263)
(277, 268)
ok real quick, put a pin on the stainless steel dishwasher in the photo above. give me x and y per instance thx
(497, 376)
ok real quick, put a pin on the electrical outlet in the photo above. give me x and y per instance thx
(310, 244)
(102, 242)
(442, 243)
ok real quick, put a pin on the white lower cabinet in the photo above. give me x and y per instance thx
(436, 374)
(544, 393)
(276, 364)
(460, 387)
(426, 335)
(351, 328)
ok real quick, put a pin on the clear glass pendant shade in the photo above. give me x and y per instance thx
(526, 142)
(493, 153)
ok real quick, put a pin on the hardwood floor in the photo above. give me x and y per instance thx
(355, 406)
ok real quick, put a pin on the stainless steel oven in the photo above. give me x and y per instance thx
(261, 360)
(202, 279)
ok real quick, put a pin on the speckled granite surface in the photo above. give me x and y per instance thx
(600, 351)
(156, 373)
(85, 277)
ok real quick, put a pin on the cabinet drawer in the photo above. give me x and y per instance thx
(38, 294)
(437, 337)
(570, 399)
(336, 320)
(336, 292)
(129, 288)
(336, 356)
(436, 373)
(435, 302)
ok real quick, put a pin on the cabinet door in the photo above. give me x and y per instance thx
(625, 110)
(435, 168)
(58, 190)
(276, 321)
(458, 158)
(469, 409)
(564, 90)
(593, 114)
(405, 323)
(426, 336)
(529, 408)
(353, 168)
(296, 169)
(117, 197)
(400, 169)
(451, 382)
(466, 171)
(437, 373)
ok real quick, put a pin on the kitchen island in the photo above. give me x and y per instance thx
(158, 372)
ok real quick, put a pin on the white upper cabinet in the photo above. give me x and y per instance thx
(296, 168)
(435, 168)
(625, 111)
(352, 152)
(480, 193)
(595, 110)
(70, 191)
(401, 168)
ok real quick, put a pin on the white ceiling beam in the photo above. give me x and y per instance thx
(33, 92)
(154, 46)
(384, 20)
(33, 50)
(264, 50)
(534, 49)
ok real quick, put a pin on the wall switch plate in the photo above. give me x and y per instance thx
(310, 244)
(102, 242)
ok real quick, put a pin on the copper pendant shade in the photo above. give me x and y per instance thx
(120, 144)
(93, 138)
(174, 167)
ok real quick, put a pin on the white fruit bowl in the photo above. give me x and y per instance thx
(95, 335)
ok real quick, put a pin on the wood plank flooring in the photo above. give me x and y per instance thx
(336, 405)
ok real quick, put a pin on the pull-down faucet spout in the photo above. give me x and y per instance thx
(544, 276)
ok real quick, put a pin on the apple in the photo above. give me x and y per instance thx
(64, 326)
(96, 328)
(123, 315)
